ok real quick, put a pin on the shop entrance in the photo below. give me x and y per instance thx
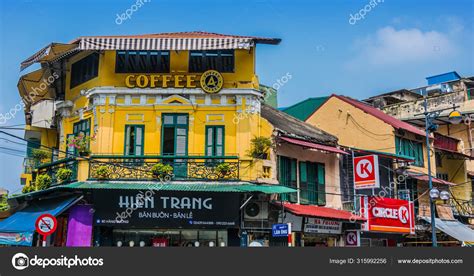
(169, 237)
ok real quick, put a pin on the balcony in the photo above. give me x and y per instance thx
(140, 168)
(132, 168)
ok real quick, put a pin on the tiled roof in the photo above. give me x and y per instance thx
(304, 109)
(321, 212)
(394, 122)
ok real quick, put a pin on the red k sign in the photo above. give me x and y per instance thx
(366, 172)
(388, 215)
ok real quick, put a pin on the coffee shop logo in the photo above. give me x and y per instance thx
(211, 81)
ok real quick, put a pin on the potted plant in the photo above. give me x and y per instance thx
(223, 169)
(28, 189)
(63, 174)
(102, 172)
(161, 170)
(39, 155)
(43, 182)
(81, 143)
(259, 147)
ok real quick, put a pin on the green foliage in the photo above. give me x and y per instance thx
(161, 170)
(63, 174)
(223, 169)
(3, 203)
(259, 147)
(81, 143)
(39, 155)
(43, 182)
(28, 188)
(102, 172)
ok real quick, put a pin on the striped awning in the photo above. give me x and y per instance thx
(50, 53)
(122, 43)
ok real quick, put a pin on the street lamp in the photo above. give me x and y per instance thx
(455, 117)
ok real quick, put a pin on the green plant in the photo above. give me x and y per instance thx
(223, 169)
(3, 203)
(102, 172)
(63, 174)
(161, 170)
(43, 181)
(81, 142)
(259, 147)
(39, 155)
(28, 188)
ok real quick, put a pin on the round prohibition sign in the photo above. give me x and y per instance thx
(46, 224)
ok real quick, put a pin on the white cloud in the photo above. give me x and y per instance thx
(389, 46)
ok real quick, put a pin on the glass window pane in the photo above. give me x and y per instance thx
(168, 119)
(182, 120)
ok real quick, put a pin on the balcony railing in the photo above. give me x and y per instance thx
(51, 169)
(132, 168)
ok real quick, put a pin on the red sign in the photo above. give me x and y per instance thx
(352, 238)
(46, 224)
(366, 172)
(159, 242)
(388, 215)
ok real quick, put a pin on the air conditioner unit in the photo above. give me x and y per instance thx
(256, 210)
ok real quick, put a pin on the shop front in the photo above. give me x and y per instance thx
(165, 218)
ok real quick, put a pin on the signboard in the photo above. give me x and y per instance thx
(166, 209)
(366, 172)
(17, 238)
(280, 230)
(388, 215)
(352, 239)
(210, 81)
(323, 226)
(46, 224)
(159, 242)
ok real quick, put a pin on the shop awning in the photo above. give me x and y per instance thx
(454, 228)
(50, 53)
(236, 187)
(313, 145)
(424, 178)
(387, 155)
(36, 86)
(452, 154)
(22, 223)
(321, 212)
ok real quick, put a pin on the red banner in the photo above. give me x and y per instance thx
(388, 215)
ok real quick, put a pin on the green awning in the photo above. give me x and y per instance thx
(237, 187)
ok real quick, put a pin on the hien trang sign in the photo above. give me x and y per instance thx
(366, 172)
(210, 81)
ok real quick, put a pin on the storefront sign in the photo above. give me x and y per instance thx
(352, 238)
(366, 172)
(388, 215)
(280, 230)
(159, 242)
(210, 81)
(166, 209)
(17, 239)
(316, 225)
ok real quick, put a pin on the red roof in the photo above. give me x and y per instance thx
(425, 178)
(394, 122)
(321, 212)
(313, 145)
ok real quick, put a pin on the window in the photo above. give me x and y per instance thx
(142, 62)
(134, 139)
(410, 148)
(439, 159)
(214, 141)
(174, 141)
(219, 60)
(83, 126)
(442, 176)
(287, 176)
(85, 69)
(312, 183)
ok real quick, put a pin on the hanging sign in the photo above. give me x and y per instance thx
(366, 172)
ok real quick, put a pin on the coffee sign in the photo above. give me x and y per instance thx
(210, 81)
(166, 209)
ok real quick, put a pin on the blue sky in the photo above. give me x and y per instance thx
(395, 45)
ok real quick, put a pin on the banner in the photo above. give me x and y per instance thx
(18, 239)
(166, 209)
(387, 215)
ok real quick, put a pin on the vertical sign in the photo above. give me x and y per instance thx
(366, 172)
(352, 238)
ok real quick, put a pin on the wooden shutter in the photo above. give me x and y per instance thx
(321, 185)
(312, 183)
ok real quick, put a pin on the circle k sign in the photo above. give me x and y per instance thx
(366, 172)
